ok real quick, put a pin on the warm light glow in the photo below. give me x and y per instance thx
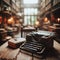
(11, 20)
(46, 19)
(58, 19)
(37, 23)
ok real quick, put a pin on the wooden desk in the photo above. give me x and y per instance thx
(27, 29)
(52, 28)
(7, 53)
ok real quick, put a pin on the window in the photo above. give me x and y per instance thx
(30, 1)
(30, 19)
(30, 11)
(30, 14)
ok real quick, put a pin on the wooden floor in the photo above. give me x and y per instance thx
(7, 53)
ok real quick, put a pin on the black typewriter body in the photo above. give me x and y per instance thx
(37, 42)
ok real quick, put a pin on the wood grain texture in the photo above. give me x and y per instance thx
(8, 53)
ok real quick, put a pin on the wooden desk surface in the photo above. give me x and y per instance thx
(28, 29)
(53, 27)
(8, 53)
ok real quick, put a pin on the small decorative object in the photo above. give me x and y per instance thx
(15, 43)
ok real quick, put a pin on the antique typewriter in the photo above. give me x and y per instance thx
(33, 47)
(34, 43)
